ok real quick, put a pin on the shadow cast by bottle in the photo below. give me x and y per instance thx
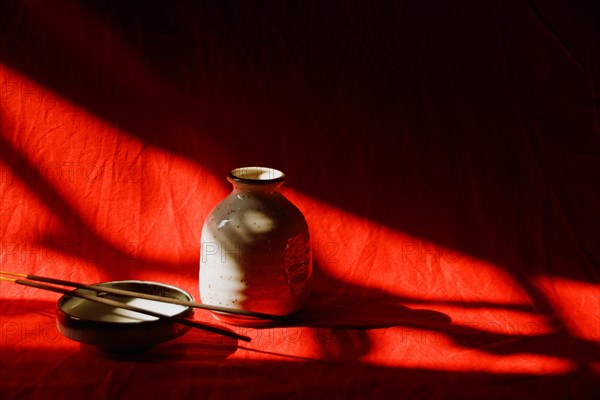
(348, 312)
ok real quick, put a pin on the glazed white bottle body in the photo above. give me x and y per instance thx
(255, 250)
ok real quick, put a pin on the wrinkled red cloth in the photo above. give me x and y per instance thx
(446, 157)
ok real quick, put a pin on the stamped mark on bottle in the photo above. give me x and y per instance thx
(297, 263)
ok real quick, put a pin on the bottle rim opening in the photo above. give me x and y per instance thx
(256, 175)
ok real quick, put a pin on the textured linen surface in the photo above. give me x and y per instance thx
(445, 155)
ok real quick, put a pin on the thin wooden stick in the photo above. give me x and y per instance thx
(129, 293)
(118, 304)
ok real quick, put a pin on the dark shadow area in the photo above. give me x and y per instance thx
(469, 165)
(318, 380)
(352, 312)
(195, 346)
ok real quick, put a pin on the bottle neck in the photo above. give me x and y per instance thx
(271, 188)
(256, 179)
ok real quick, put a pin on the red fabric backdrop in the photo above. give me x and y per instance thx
(446, 157)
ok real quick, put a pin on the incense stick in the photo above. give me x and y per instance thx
(118, 304)
(129, 293)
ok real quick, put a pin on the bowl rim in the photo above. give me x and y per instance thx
(64, 317)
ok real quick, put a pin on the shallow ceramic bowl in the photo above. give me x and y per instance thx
(117, 329)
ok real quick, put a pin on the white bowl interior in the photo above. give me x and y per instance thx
(88, 310)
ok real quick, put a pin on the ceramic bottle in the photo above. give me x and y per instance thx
(255, 251)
